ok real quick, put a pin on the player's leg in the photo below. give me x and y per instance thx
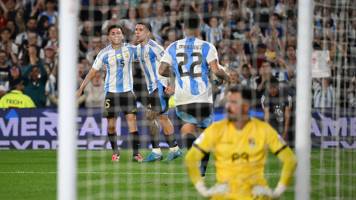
(156, 153)
(205, 117)
(188, 132)
(132, 126)
(160, 105)
(113, 138)
(110, 114)
(168, 131)
(128, 106)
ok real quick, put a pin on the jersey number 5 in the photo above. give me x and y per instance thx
(191, 67)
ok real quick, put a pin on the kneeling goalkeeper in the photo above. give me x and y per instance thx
(240, 146)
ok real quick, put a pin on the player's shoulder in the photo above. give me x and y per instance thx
(258, 122)
(154, 44)
(219, 125)
(104, 50)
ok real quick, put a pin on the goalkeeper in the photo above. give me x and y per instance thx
(239, 144)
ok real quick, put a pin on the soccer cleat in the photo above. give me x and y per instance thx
(115, 157)
(138, 158)
(153, 157)
(174, 154)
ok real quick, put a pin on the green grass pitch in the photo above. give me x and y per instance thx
(32, 175)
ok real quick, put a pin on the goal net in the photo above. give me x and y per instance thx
(333, 122)
(256, 40)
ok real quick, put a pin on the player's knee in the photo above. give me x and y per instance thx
(150, 115)
(188, 129)
(111, 129)
(130, 118)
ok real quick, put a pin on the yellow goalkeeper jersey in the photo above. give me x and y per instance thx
(240, 155)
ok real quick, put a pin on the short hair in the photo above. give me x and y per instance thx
(147, 25)
(112, 27)
(246, 93)
(191, 20)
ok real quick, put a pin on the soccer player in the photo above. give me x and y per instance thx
(149, 54)
(191, 59)
(240, 147)
(118, 58)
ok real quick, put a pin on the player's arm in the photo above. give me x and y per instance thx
(164, 69)
(98, 64)
(218, 70)
(286, 156)
(87, 79)
(192, 162)
(204, 144)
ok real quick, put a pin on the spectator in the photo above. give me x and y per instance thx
(213, 31)
(31, 26)
(247, 78)
(351, 93)
(4, 73)
(11, 25)
(8, 45)
(96, 46)
(277, 107)
(51, 89)
(94, 93)
(324, 95)
(35, 78)
(52, 39)
(42, 26)
(50, 12)
(264, 79)
(50, 59)
(85, 34)
(158, 20)
(15, 98)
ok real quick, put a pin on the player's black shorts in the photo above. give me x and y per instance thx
(116, 102)
(157, 101)
(200, 114)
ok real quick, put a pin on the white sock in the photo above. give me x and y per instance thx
(174, 149)
(157, 151)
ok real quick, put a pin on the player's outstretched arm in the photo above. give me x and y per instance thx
(289, 164)
(87, 79)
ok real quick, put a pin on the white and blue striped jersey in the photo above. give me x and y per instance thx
(118, 65)
(190, 58)
(149, 56)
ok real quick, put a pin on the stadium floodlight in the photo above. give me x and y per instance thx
(66, 177)
(303, 109)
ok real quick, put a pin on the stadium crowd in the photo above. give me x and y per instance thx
(255, 39)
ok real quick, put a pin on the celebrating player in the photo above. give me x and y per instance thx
(239, 144)
(149, 54)
(191, 59)
(117, 58)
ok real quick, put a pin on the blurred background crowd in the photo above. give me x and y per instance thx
(256, 41)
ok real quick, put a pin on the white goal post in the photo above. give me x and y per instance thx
(303, 99)
(66, 159)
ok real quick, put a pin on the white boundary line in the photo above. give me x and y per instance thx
(146, 173)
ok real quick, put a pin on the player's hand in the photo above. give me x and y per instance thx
(221, 188)
(261, 192)
(169, 90)
(79, 93)
(278, 191)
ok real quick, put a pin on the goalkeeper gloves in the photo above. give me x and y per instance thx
(278, 191)
(221, 188)
(261, 192)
